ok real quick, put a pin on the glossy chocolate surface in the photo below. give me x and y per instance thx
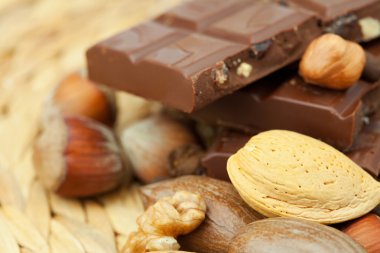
(202, 50)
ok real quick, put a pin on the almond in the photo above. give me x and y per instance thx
(283, 173)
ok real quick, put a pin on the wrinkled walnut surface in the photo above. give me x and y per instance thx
(162, 222)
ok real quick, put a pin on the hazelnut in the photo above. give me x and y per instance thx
(78, 96)
(366, 231)
(159, 147)
(330, 61)
(77, 157)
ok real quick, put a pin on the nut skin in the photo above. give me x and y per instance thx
(78, 96)
(160, 147)
(366, 231)
(226, 211)
(288, 235)
(332, 62)
(78, 157)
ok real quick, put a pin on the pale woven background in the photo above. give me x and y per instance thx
(40, 42)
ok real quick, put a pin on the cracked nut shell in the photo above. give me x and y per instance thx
(77, 157)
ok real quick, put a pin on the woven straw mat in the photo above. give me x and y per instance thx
(42, 41)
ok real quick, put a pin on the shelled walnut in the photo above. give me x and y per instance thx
(168, 218)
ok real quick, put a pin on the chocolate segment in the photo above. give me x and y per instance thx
(198, 15)
(366, 149)
(201, 51)
(225, 145)
(373, 47)
(283, 102)
(357, 20)
(372, 68)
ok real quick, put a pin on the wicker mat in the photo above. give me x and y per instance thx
(41, 41)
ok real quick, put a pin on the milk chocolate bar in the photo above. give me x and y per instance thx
(225, 145)
(283, 102)
(202, 50)
(357, 20)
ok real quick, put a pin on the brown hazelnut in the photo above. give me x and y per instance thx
(77, 96)
(366, 231)
(77, 157)
(160, 147)
(330, 61)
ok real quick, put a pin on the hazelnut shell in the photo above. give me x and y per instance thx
(366, 231)
(78, 157)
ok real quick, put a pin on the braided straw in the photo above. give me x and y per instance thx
(41, 42)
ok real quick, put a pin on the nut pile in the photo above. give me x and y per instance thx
(277, 173)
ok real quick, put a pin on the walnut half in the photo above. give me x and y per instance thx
(168, 218)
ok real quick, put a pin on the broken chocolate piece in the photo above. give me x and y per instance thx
(372, 69)
(225, 144)
(283, 102)
(201, 51)
(366, 149)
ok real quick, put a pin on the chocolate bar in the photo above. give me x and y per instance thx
(357, 20)
(365, 151)
(225, 144)
(373, 47)
(372, 69)
(285, 101)
(202, 50)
